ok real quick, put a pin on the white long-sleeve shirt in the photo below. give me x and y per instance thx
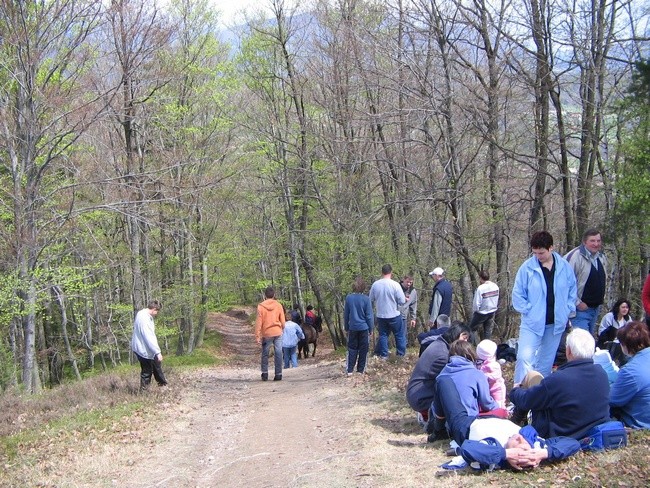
(486, 298)
(144, 342)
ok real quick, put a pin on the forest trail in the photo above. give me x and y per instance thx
(230, 429)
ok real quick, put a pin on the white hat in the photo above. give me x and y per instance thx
(486, 349)
(437, 272)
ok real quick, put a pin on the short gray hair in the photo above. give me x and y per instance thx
(581, 343)
(442, 320)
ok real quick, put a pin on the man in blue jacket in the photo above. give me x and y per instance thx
(498, 442)
(441, 297)
(574, 398)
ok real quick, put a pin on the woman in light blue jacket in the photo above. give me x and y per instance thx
(629, 397)
(544, 294)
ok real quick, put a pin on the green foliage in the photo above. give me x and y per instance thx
(7, 366)
(633, 183)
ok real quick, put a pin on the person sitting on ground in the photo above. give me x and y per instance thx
(630, 394)
(604, 359)
(495, 442)
(487, 363)
(421, 387)
(572, 400)
(616, 318)
(462, 392)
(441, 326)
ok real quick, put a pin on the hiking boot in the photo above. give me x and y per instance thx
(277, 377)
(439, 435)
(265, 376)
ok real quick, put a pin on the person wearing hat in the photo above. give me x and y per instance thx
(486, 362)
(440, 297)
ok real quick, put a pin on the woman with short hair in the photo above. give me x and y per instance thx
(629, 397)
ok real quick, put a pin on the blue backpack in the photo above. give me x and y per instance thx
(608, 435)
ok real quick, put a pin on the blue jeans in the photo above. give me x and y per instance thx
(357, 350)
(535, 352)
(385, 327)
(586, 319)
(457, 420)
(277, 351)
(290, 356)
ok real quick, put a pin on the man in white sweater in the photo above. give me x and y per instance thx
(145, 346)
(484, 305)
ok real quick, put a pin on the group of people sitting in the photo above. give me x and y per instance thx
(458, 392)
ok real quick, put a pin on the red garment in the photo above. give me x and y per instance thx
(310, 317)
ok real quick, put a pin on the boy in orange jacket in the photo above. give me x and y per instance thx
(268, 330)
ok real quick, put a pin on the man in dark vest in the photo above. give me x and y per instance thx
(440, 297)
(590, 267)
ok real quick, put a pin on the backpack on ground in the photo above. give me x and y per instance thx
(608, 435)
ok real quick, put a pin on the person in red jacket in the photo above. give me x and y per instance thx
(268, 331)
(645, 298)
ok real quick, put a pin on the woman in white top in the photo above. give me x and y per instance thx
(614, 320)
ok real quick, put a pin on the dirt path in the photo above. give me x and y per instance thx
(317, 427)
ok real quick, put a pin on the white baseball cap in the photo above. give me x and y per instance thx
(437, 272)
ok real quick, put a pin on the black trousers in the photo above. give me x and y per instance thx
(486, 320)
(150, 367)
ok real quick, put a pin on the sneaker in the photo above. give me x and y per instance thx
(349, 373)
(265, 376)
(277, 377)
(423, 423)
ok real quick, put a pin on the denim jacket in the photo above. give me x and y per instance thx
(529, 295)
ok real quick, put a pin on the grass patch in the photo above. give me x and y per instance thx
(628, 467)
(206, 355)
(21, 446)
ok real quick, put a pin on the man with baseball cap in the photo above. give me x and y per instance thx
(440, 297)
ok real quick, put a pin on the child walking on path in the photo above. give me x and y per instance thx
(290, 336)
(486, 362)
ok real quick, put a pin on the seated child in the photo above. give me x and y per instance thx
(602, 357)
(486, 362)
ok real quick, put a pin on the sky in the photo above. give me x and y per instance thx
(231, 10)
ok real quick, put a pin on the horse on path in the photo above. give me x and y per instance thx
(311, 337)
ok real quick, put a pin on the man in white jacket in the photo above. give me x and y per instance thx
(145, 345)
